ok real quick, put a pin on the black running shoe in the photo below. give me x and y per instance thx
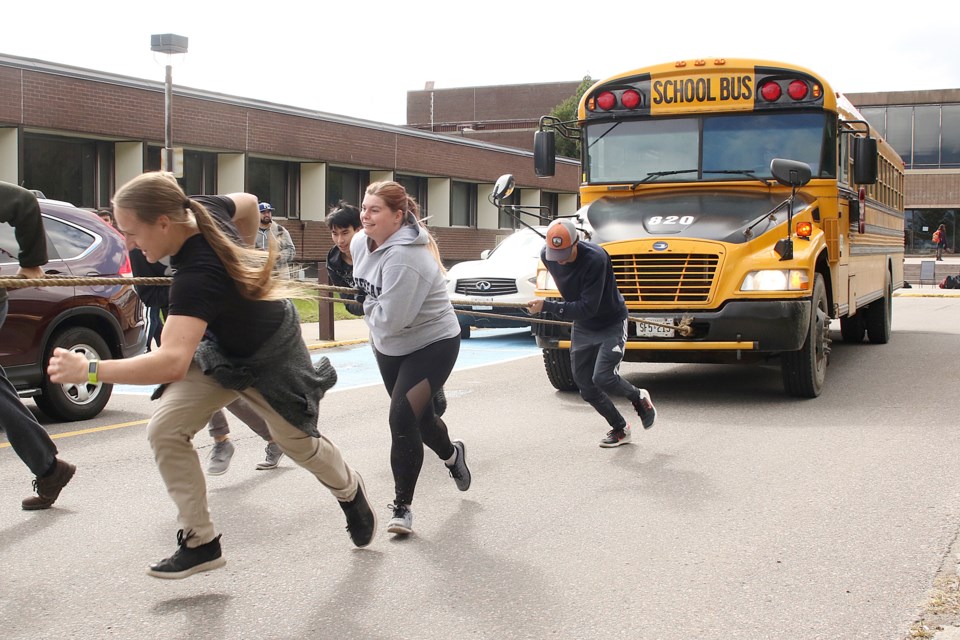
(615, 438)
(361, 520)
(645, 409)
(187, 561)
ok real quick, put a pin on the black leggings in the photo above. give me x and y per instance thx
(411, 381)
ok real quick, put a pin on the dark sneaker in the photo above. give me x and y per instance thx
(220, 457)
(616, 437)
(402, 521)
(458, 470)
(645, 409)
(49, 487)
(274, 453)
(361, 520)
(186, 561)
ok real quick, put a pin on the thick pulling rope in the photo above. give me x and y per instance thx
(18, 282)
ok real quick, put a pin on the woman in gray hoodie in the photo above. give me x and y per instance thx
(414, 333)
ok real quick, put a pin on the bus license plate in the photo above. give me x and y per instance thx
(650, 331)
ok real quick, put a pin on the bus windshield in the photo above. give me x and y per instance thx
(707, 148)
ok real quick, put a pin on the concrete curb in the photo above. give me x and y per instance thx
(313, 346)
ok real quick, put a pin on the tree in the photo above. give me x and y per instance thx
(567, 111)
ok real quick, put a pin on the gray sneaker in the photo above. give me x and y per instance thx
(402, 521)
(220, 457)
(274, 453)
(458, 470)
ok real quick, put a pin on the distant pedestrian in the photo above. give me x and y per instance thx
(107, 216)
(591, 300)
(414, 333)
(221, 287)
(286, 250)
(343, 222)
(940, 239)
(19, 208)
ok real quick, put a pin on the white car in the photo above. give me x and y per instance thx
(507, 273)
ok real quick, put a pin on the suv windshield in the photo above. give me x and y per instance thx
(707, 148)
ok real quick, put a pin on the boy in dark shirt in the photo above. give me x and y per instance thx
(584, 276)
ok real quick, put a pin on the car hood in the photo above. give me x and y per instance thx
(493, 269)
(713, 215)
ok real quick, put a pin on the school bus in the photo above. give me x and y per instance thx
(744, 205)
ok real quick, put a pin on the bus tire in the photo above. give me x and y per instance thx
(852, 328)
(559, 369)
(805, 370)
(880, 315)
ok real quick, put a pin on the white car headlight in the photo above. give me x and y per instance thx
(776, 280)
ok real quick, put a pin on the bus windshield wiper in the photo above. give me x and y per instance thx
(659, 174)
(742, 172)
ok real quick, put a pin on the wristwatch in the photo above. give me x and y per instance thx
(92, 369)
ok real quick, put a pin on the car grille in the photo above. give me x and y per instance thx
(665, 277)
(486, 286)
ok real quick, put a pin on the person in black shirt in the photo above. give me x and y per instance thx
(19, 208)
(584, 276)
(223, 288)
(343, 222)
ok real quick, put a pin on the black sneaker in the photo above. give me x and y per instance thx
(616, 437)
(439, 403)
(361, 520)
(458, 470)
(645, 409)
(186, 561)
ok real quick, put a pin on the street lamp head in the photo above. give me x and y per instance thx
(168, 43)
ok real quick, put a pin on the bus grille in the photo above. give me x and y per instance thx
(665, 277)
(486, 286)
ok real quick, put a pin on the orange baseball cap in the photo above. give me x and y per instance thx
(561, 238)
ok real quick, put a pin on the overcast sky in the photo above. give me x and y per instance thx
(359, 58)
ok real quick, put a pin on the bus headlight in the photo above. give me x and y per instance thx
(776, 280)
(545, 280)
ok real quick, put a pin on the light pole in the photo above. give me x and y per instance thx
(168, 43)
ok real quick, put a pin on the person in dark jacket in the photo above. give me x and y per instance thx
(19, 208)
(584, 276)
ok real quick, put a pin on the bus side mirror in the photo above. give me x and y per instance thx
(865, 159)
(544, 153)
(503, 188)
(790, 173)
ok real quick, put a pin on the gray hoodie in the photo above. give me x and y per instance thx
(406, 306)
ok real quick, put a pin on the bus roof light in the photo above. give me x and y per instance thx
(630, 99)
(771, 91)
(798, 90)
(606, 100)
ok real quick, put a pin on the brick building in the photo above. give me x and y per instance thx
(76, 134)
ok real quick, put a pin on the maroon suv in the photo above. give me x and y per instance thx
(99, 321)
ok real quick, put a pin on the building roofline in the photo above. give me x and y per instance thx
(80, 73)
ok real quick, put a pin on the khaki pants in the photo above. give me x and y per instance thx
(186, 406)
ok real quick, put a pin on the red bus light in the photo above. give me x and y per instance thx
(630, 99)
(606, 101)
(797, 90)
(770, 91)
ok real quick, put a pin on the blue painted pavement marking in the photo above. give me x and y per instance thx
(356, 366)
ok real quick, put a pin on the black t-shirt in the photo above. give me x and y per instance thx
(203, 289)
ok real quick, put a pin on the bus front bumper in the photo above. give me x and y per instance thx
(740, 325)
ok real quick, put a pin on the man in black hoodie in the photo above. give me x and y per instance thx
(19, 208)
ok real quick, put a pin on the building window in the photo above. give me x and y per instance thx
(919, 225)
(416, 186)
(347, 185)
(926, 136)
(269, 180)
(463, 204)
(900, 131)
(62, 168)
(550, 201)
(506, 220)
(950, 135)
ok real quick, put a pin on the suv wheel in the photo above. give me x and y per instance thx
(70, 402)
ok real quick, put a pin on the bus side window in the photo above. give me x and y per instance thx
(844, 177)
